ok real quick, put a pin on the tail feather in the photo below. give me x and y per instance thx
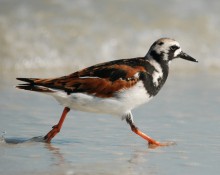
(28, 80)
(31, 86)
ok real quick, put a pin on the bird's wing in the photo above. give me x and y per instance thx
(101, 80)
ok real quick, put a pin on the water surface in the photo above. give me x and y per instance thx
(101, 144)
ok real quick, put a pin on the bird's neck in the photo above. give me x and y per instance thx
(157, 77)
(158, 62)
(161, 69)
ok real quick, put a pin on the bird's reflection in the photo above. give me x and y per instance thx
(58, 158)
(137, 161)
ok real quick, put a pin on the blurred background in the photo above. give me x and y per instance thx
(57, 37)
(49, 38)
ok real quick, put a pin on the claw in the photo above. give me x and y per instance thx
(157, 144)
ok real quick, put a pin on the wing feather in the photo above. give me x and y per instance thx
(101, 80)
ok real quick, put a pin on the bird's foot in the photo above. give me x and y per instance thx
(50, 135)
(155, 144)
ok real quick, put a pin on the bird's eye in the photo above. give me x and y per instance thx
(173, 48)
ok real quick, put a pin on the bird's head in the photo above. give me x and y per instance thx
(166, 49)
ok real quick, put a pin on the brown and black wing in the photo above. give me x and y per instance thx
(101, 80)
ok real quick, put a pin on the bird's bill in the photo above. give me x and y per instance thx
(186, 57)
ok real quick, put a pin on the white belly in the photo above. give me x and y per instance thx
(122, 103)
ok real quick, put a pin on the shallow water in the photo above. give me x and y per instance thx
(186, 111)
(54, 38)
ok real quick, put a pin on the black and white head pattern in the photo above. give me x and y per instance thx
(164, 49)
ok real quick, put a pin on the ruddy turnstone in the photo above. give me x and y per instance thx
(114, 87)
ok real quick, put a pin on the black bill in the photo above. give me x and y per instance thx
(186, 57)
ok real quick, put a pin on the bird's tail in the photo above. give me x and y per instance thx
(32, 86)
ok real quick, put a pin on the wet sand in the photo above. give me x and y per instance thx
(186, 111)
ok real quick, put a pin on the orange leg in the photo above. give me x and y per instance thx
(56, 128)
(151, 142)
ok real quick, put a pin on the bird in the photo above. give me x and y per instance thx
(115, 87)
